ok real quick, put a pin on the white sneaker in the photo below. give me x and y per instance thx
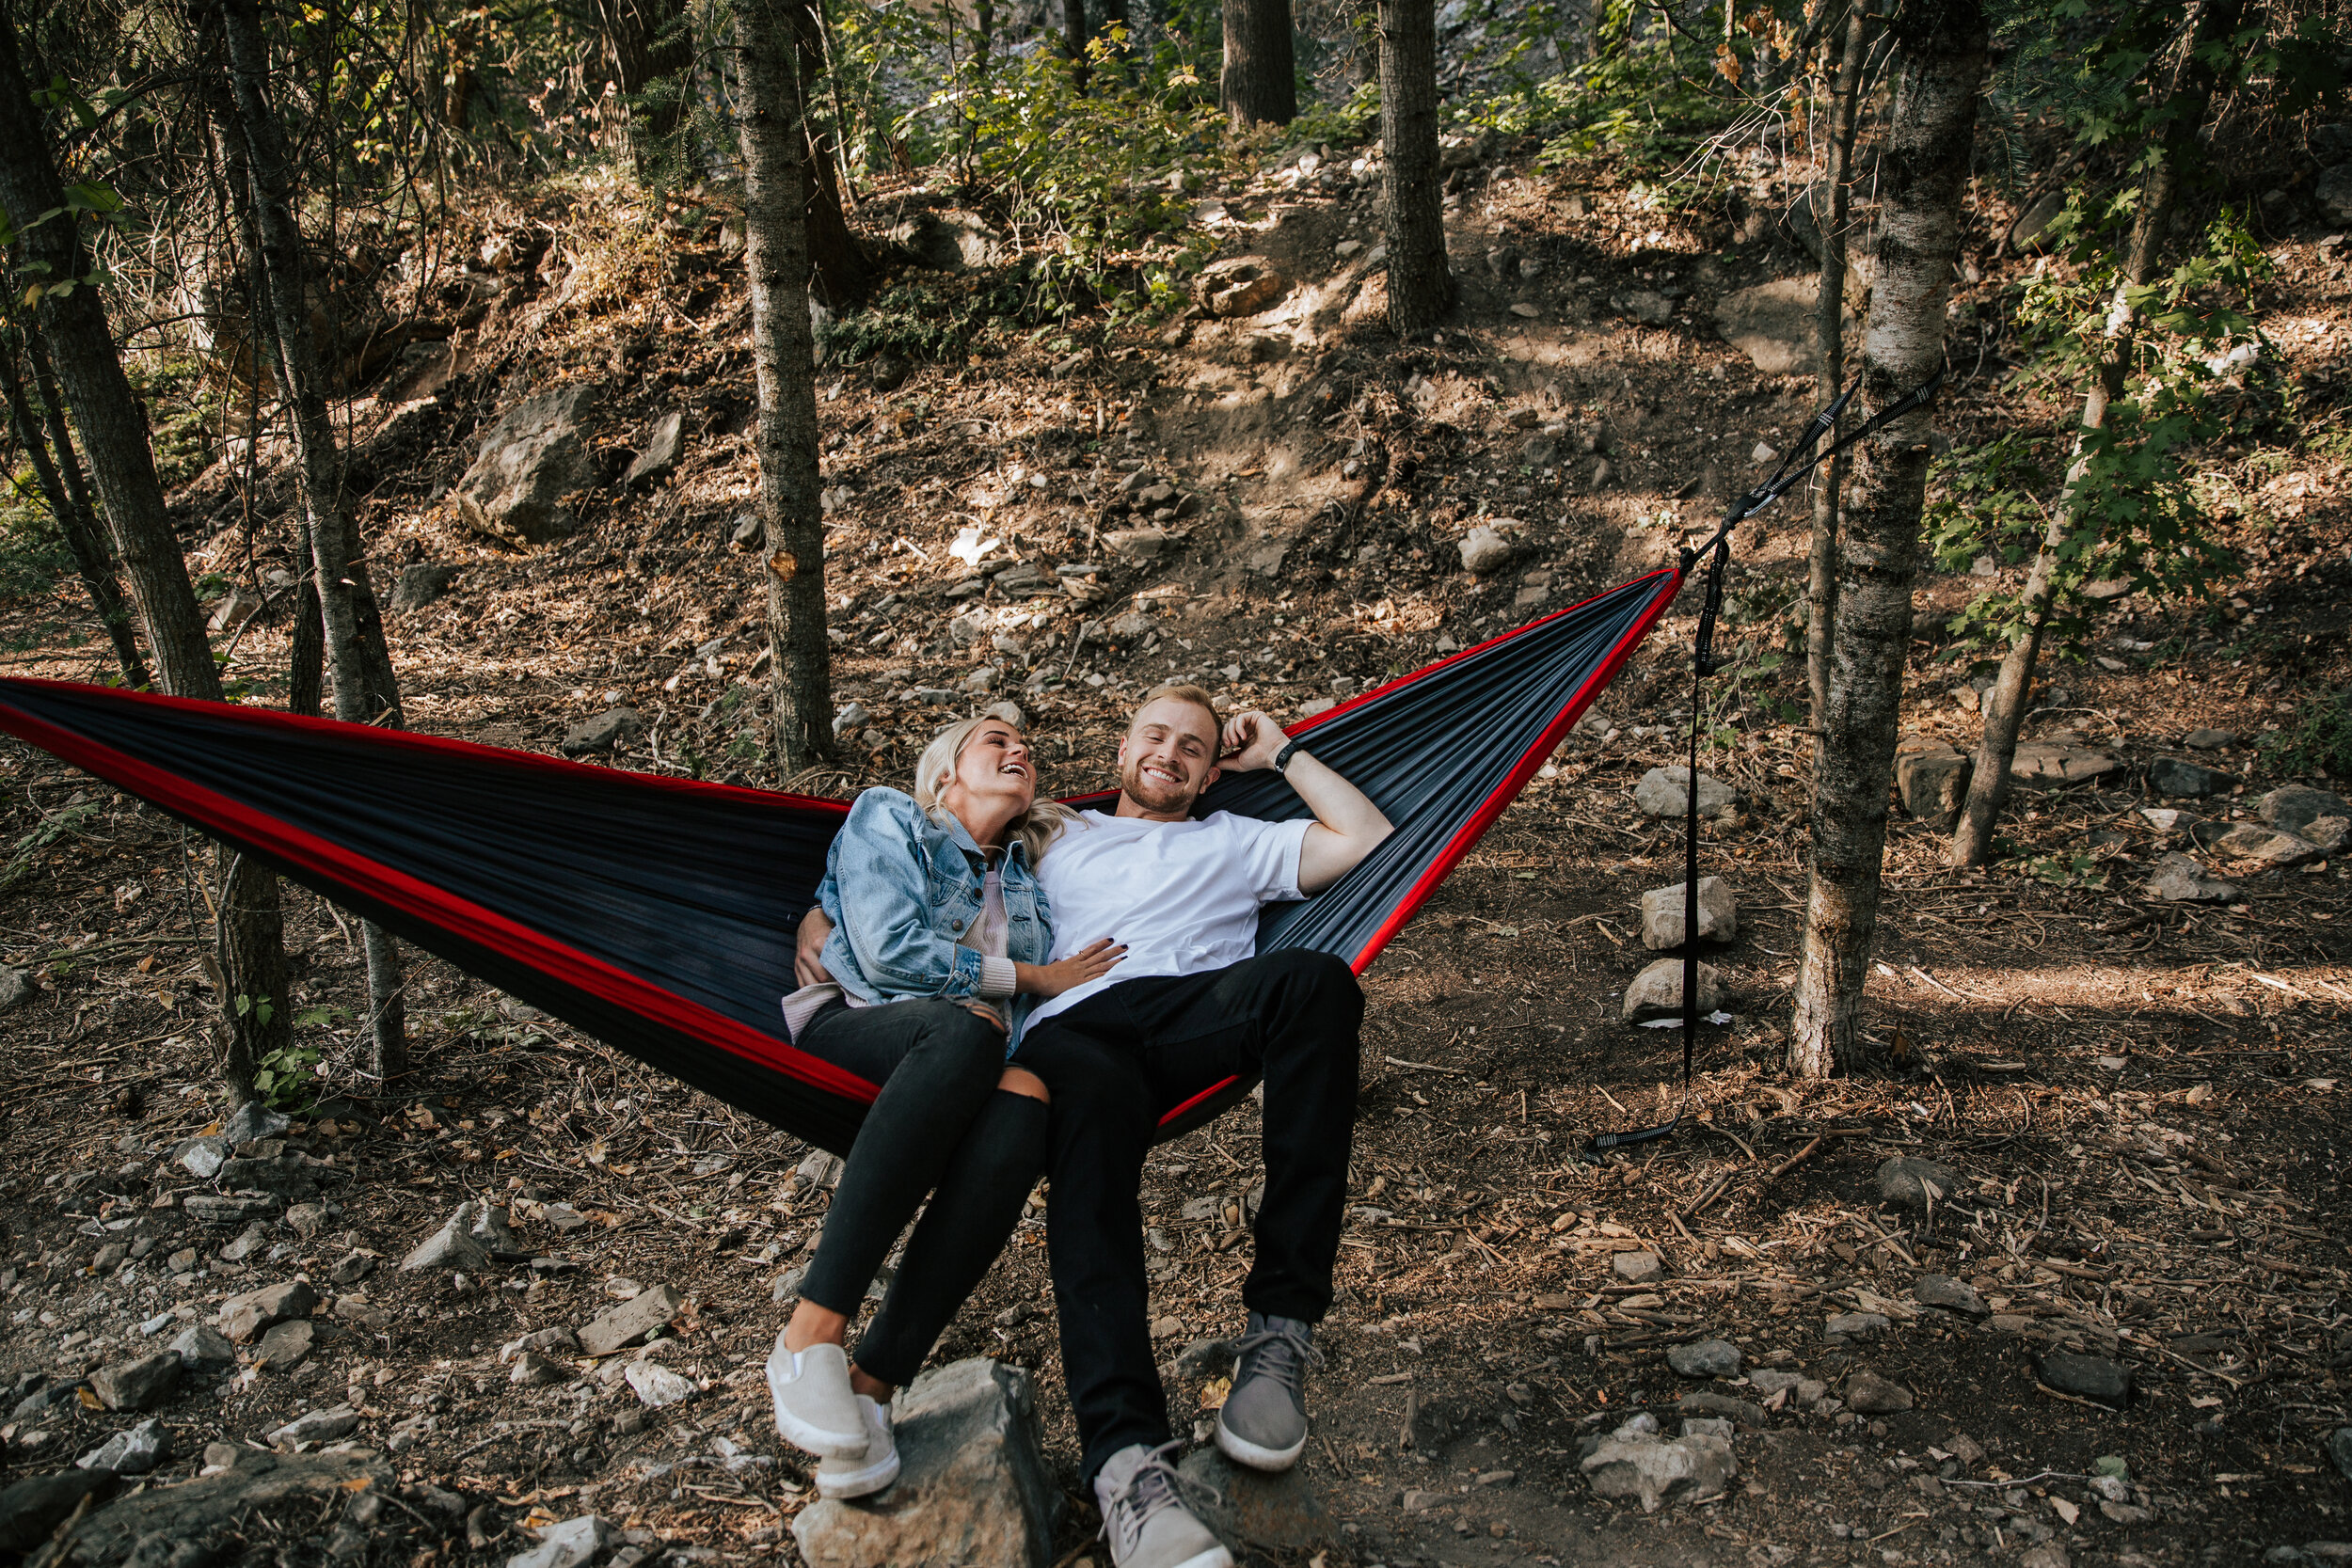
(1146, 1520)
(877, 1467)
(815, 1408)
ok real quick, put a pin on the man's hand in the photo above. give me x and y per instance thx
(808, 963)
(1250, 742)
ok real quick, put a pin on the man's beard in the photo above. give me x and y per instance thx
(1154, 793)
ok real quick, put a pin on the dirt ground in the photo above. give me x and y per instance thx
(2143, 1101)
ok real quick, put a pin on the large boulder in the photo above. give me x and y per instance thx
(1773, 325)
(1663, 912)
(531, 459)
(1238, 286)
(187, 1523)
(973, 1487)
(2297, 806)
(2333, 192)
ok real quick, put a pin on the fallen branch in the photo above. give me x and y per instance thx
(1799, 1158)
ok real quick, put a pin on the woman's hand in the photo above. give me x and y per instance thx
(808, 962)
(1090, 962)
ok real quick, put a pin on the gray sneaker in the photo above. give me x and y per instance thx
(1144, 1517)
(1263, 1425)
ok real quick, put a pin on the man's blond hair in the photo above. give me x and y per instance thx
(1185, 692)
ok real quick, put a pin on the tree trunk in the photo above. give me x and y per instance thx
(1820, 593)
(114, 432)
(769, 116)
(1259, 84)
(81, 535)
(366, 689)
(2152, 222)
(1421, 289)
(1943, 46)
(646, 41)
(1073, 39)
(841, 270)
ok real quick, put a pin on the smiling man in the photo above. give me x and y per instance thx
(1191, 1007)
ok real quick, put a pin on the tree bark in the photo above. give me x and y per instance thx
(1421, 288)
(366, 689)
(2151, 223)
(645, 40)
(1073, 39)
(114, 432)
(83, 538)
(770, 121)
(1820, 593)
(1259, 84)
(839, 266)
(1943, 46)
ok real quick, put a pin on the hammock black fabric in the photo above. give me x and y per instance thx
(658, 914)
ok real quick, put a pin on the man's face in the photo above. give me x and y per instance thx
(1168, 757)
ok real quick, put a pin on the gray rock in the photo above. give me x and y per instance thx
(2184, 780)
(1665, 792)
(949, 239)
(2087, 1377)
(16, 988)
(974, 1485)
(244, 1316)
(1252, 1511)
(819, 1169)
(657, 449)
(203, 1157)
(748, 531)
(1953, 1295)
(182, 1524)
(283, 1347)
(1774, 325)
(36, 1506)
(351, 1268)
(420, 584)
(1630, 1463)
(632, 1320)
(533, 1370)
(1238, 286)
(490, 1227)
(140, 1385)
(317, 1426)
(1661, 915)
(656, 1386)
(2297, 806)
(2179, 880)
(2266, 848)
(1855, 1325)
(132, 1452)
(2031, 231)
(2330, 834)
(1904, 1180)
(2059, 763)
(1706, 1358)
(251, 1122)
(1483, 550)
(1932, 778)
(201, 1348)
(307, 1219)
(1656, 991)
(531, 459)
(563, 1217)
(453, 1246)
(2340, 1450)
(2333, 192)
(214, 1210)
(568, 1544)
(602, 732)
(1708, 1402)
(1638, 1268)
(2209, 741)
(1644, 305)
(1868, 1394)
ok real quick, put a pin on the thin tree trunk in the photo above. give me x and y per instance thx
(1820, 593)
(1073, 39)
(114, 431)
(82, 537)
(1259, 84)
(776, 178)
(1421, 289)
(2151, 223)
(366, 689)
(646, 41)
(839, 266)
(1943, 46)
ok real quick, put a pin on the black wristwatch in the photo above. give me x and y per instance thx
(1282, 757)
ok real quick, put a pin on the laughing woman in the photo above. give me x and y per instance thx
(939, 940)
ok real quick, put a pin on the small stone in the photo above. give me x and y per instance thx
(2209, 741)
(1638, 1268)
(1905, 1182)
(2266, 848)
(453, 1246)
(2047, 1555)
(351, 1268)
(2179, 880)
(129, 1453)
(1868, 1394)
(2059, 764)
(657, 1386)
(1657, 993)
(2340, 1450)
(563, 1217)
(632, 1320)
(1631, 1463)
(1708, 1426)
(657, 449)
(1484, 551)
(242, 1317)
(251, 1122)
(1954, 1295)
(568, 1544)
(1705, 1358)
(533, 1370)
(1238, 286)
(1932, 778)
(2181, 779)
(317, 1426)
(2089, 1377)
(307, 1219)
(2330, 834)
(2297, 806)
(1663, 912)
(544, 1339)
(1855, 1325)
(199, 1347)
(139, 1384)
(820, 1169)
(603, 731)
(285, 1345)
(1665, 792)
(203, 1157)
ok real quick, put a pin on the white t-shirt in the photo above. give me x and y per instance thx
(1183, 896)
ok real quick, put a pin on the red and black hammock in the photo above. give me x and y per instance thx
(658, 914)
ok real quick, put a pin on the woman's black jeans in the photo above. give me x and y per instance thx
(940, 1128)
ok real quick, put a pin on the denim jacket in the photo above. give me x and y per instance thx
(903, 890)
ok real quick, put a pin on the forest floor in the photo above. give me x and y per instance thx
(2142, 1102)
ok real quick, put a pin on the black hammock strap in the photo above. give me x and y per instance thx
(1804, 454)
(656, 913)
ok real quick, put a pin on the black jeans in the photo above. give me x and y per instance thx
(1116, 1064)
(939, 1127)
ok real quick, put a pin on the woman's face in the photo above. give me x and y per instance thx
(993, 770)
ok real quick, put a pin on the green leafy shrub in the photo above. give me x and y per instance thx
(2318, 739)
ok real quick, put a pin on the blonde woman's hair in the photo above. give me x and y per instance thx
(1035, 828)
